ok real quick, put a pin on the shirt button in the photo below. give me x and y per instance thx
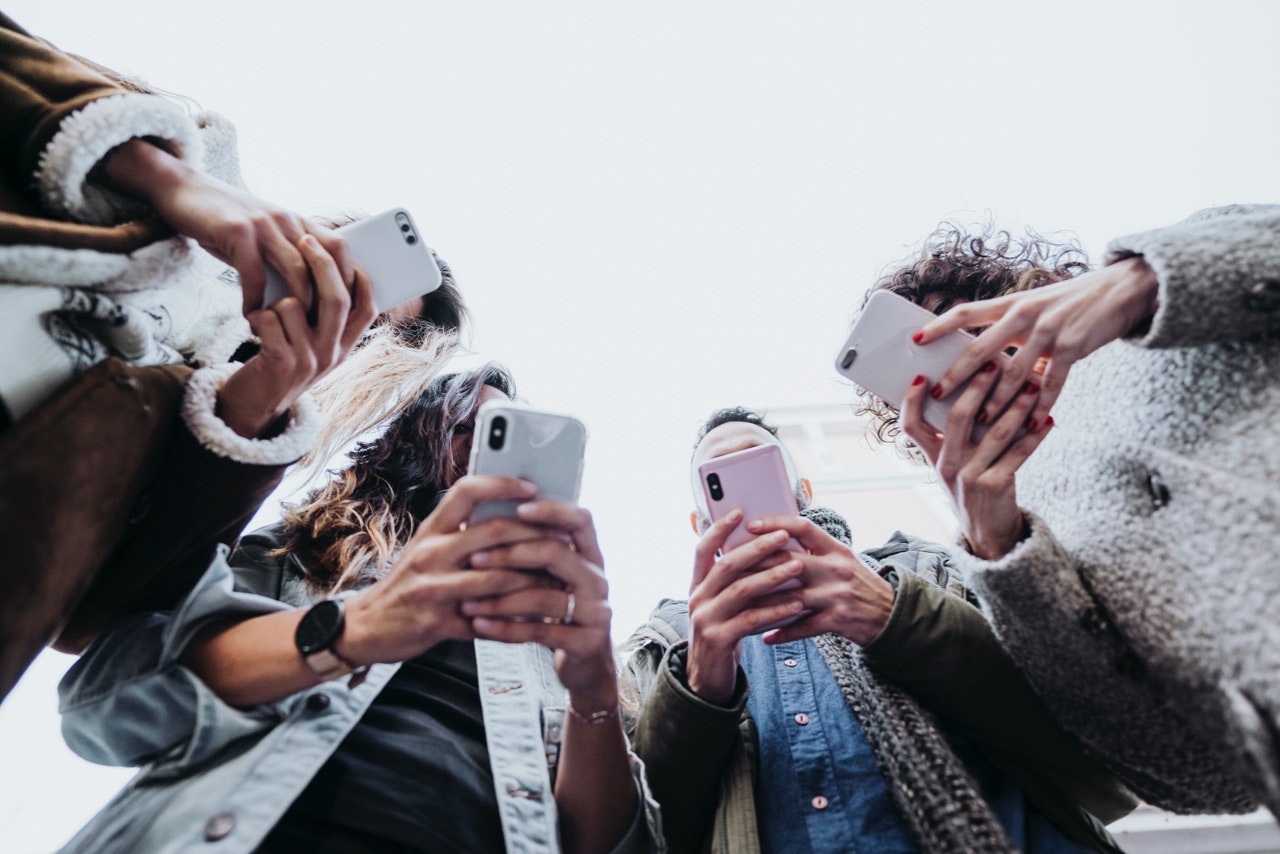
(318, 702)
(819, 802)
(790, 662)
(802, 718)
(219, 827)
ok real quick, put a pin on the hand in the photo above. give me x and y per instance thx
(567, 552)
(842, 594)
(233, 226)
(979, 478)
(731, 598)
(417, 604)
(1059, 323)
(294, 353)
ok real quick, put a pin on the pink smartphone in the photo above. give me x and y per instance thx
(754, 481)
(880, 356)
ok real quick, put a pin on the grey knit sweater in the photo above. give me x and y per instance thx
(1142, 604)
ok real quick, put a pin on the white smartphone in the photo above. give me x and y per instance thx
(391, 251)
(541, 447)
(755, 481)
(880, 356)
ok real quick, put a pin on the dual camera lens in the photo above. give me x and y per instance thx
(714, 488)
(498, 433)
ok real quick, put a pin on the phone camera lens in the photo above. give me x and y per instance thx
(848, 358)
(410, 239)
(498, 433)
(714, 487)
(404, 226)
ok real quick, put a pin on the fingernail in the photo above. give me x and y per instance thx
(469, 607)
(917, 337)
(480, 558)
(983, 417)
(1048, 421)
(754, 526)
(1031, 425)
(919, 380)
(528, 488)
(524, 509)
(988, 367)
(936, 391)
(1031, 388)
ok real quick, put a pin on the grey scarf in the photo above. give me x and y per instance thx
(935, 795)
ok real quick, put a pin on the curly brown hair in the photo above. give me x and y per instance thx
(346, 531)
(956, 264)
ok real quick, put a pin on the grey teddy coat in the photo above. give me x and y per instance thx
(1143, 604)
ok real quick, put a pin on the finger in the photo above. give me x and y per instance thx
(1022, 449)
(576, 521)
(462, 498)
(911, 420)
(710, 544)
(548, 554)
(253, 278)
(469, 585)
(544, 604)
(810, 537)
(265, 324)
(278, 239)
(1052, 379)
(754, 620)
(552, 635)
(969, 315)
(336, 247)
(966, 411)
(333, 302)
(362, 313)
(1006, 429)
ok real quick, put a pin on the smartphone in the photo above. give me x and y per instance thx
(390, 249)
(881, 357)
(756, 482)
(541, 447)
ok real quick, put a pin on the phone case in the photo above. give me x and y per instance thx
(880, 356)
(755, 481)
(517, 441)
(390, 249)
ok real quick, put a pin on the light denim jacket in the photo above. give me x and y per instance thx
(217, 778)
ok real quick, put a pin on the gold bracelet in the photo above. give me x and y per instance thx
(593, 718)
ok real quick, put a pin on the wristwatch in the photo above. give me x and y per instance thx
(319, 629)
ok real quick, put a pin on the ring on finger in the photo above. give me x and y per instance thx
(569, 606)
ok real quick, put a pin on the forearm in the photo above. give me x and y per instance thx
(595, 790)
(253, 661)
(143, 169)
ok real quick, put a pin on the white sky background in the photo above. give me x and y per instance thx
(658, 209)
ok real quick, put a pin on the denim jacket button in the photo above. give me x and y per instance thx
(219, 826)
(318, 702)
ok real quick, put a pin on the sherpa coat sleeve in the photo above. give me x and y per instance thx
(1219, 275)
(59, 116)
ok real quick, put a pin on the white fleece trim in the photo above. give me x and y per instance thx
(163, 264)
(85, 137)
(198, 412)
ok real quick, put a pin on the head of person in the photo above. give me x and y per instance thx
(957, 264)
(727, 431)
(346, 531)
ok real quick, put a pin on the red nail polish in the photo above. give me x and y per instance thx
(936, 392)
(983, 417)
(919, 380)
(1030, 388)
(917, 337)
(1048, 421)
(1031, 425)
(988, 367)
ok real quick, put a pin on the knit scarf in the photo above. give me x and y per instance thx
(934, 794)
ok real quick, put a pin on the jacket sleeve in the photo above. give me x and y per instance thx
(942, 649)
(59, 117)
(1088, 678)
(128, 701)
(685, 744)
(1219, 274)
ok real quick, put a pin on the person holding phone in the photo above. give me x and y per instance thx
(886, 718)
(132, 264)
(1124, 563)
(374, 674)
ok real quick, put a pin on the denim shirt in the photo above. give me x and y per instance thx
(219, 778)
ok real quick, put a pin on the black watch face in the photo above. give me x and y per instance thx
(319, 627)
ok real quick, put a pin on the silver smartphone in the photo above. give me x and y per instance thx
(390, 250)
(544, 448)
(880, 356)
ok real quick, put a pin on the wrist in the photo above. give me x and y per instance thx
(711, 680)
(142, 169)
(356, 645)
(877, 607)
(242, 407)
(592, 702)
(1139, 289)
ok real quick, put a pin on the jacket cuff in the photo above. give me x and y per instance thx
(85, 137)
(673, 675)
(198, 411)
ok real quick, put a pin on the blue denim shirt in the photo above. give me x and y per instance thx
(218, 778)
(820, 786)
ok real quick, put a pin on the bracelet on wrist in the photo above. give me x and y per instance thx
(593, 718)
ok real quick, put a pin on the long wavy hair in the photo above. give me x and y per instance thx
(345, 532)
(956, 264)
